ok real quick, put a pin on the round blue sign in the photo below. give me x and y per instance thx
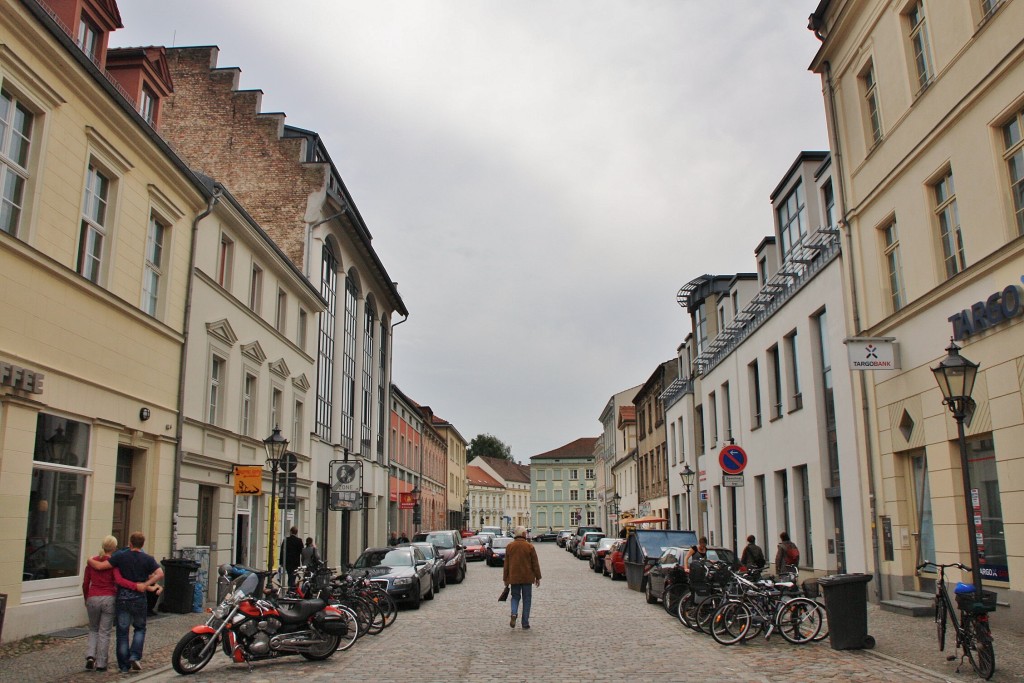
(732, 459)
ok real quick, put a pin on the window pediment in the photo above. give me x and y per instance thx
(253, 351)
(301, 383)
(280, 368)
(222, 330)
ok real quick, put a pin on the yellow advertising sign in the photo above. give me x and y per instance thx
(248, 480)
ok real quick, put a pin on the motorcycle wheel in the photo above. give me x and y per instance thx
(187, 658)
(330, 644)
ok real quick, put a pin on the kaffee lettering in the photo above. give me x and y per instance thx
(21, 378)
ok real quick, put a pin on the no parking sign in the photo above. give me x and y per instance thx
(733, 459)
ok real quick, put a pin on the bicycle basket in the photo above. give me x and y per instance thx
(967, 603)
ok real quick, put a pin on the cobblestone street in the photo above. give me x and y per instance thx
(585, 627)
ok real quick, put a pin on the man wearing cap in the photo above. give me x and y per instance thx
(522, 573)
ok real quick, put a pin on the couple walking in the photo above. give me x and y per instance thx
(115, 589)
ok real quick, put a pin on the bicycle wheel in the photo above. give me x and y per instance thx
(731, 623)
(940, 622)
(978, 646)
(684, 610)
(671, 596)
(351, 631)
(706, 610)
(387, 604)
(823, 615)
(799, 620)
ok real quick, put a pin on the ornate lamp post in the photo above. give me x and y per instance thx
(616, 501)
(276, 446)
(687, 475)
(956, 375)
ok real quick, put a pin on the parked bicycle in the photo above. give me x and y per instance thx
(970, 621)
(768, 607)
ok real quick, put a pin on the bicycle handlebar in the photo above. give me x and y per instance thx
(943, 566)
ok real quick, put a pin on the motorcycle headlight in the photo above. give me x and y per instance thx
(407, 581)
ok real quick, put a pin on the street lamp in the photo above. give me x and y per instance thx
(616, 501)
(276, 445)
(687, 476)
(956, 375)
(417, 516)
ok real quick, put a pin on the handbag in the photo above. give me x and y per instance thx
(504, 594)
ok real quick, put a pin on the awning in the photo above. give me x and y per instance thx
(632, 521)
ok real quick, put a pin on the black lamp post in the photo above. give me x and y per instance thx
(956, 375)
(416, 514)
(276, 446)
(687, 476)
(616, 501)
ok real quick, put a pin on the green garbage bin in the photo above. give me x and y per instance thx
(179, 584)
(846, 604)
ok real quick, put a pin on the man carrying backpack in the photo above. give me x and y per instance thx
(788, 555)
(753, 556)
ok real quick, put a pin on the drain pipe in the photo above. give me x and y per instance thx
(837, 158)
(180, 426)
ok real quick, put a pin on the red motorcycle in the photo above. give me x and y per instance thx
(251, 628)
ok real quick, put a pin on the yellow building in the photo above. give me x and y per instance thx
(95, 237)
(926, 113)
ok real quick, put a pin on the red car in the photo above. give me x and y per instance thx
(476, 548)
(615, 561)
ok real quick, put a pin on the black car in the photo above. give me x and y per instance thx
(496, 551)
(449, 542)
(562, 537)
(403, 572)
(669, 575)
(541, 536)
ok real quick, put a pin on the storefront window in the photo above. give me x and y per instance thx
(923, 503)
(988, 508)
(57, 499)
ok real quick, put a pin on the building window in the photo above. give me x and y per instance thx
(981, 457)
(919, 43)
(256, 289)
(15, 140)
(754, 377)
(382, 388)
(793, 219)
(147, 105)
(591, 518)
(894, 266)
(990, 6)
(94, 224)
(276, 412)
(1014, 155)
(949, 225)
(922, 501)
(205, 516)
(153, 274)
(574, 494)
(348, 365)
(298, 423)
(248, 404)
(796, 400)
(805, 508)
(701, 328)
(325, 345)
(574, 474)
(589, 473)
(281, 312)
(775, 378)
(727, 411)
(590, 494)
(873, 117)
(366, 424)
(56, 504)
(713, 418)
(300, 332)
(88, 38)
(829, 200)
(216, 408)
(762, 270)
(224, 261)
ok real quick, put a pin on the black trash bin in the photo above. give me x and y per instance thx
(846, 604)
(179, 585)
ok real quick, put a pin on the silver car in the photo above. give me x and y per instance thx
(587, 543)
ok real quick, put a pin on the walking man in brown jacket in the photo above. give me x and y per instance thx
(522, 573)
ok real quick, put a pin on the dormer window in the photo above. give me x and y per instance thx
(89, 38)
(147, 105)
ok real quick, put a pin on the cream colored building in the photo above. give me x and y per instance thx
(458, 489)
(925, 109)
(486, 498)
(249, 368)
(515, 478)
(95, 237)
(612, 446)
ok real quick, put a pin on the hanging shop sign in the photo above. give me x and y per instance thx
(872, 353)
(248, 480)
(982, 315)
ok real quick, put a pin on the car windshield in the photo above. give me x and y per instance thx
(472, 540)
(427, 550)
(501, 542)
(592, 537)
(606, 543)
(441, 539)
(399, 557)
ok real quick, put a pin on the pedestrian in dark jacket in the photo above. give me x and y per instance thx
(291, 554)
(787, 557)
(753, 556)
(522, 573)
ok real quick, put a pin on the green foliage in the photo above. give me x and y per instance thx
(490, 446)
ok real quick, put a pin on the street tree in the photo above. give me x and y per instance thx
(489, 446)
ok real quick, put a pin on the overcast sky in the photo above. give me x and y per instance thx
(540, 176)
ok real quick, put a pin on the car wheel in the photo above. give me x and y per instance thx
(430, 594)
(651, 599)
(416, 600)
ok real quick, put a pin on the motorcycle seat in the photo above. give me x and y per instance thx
(293, 611)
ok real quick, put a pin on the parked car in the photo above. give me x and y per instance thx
(449, 542)
(436, 561)
(577, 536)
(597, 557)
(496, 551)
(562, 537)
(466, 533)
(542, 536)
(587, 544)
(476, 548)
(615, 560)
(495, 530)
(403, 572)
(668, 572)
(645, 546)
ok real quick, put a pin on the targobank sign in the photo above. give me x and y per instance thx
(872, 354)
(998, 307)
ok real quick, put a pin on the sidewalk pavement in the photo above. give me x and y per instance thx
(900, 638)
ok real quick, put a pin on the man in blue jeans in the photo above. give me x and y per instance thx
(138, 570)
(522, 573)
